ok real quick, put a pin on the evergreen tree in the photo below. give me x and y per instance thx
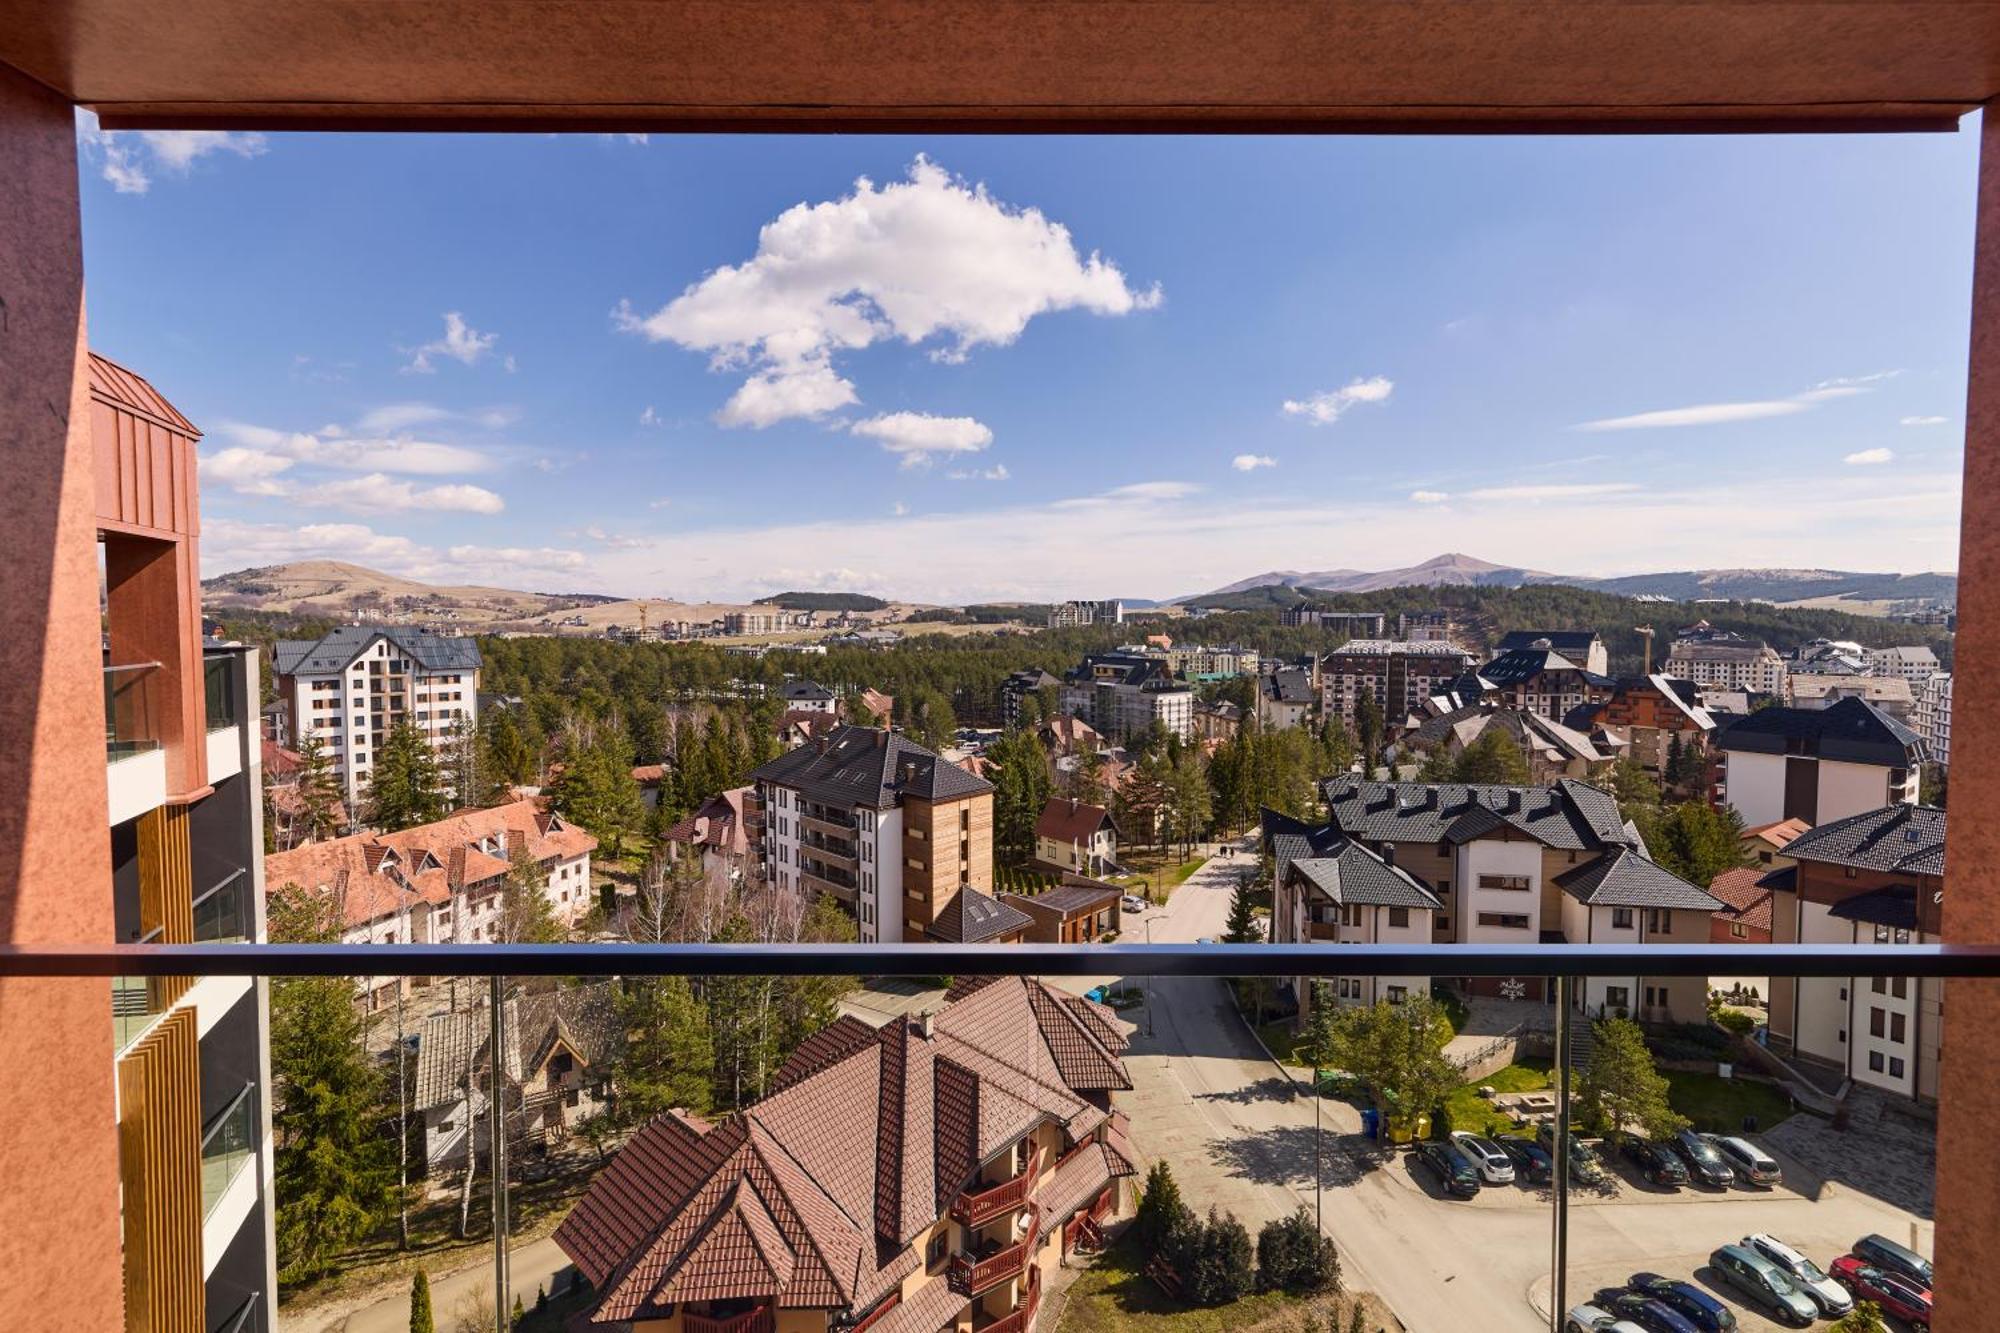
(526, 915)
(1493, 759)
(1293, 1256)
(737, 1022)
(930, 720)
(1320, 1042)
(322, 811)
(1021, 788)
(1242, 925)
(1438, 766)
(1193, 808)
(405, 789)
(1621, 1088)
(669, 1054)
(509, 757)
(597, 791)
(421, 1319)
(1160, 1208)
(1368, 731)
(1933, 785)
(1697, 841)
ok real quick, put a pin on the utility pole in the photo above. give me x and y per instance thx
(1646, 632)
(496, 1120)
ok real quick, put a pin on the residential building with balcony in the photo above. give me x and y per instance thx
(1930, 718)
(1642, 716)
(1915, 663)
(184, 824)
(1348, 624)
(1018, 687)
(1711, 657)
(1126, 694)
(717, 832)
(1817, 764)
(900, 837)
(350, 687)
(1398, 676)
(1075, 615)
(1535, 679)
(1076, 838)
(1331, 888)
(1194, 661)
(1876, 877)
(923, 1176)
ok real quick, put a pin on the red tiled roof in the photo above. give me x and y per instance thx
(1067, 820)
(280, 763)
(649, 774)
(718, 823)
(1743, 900)
(1779, 834)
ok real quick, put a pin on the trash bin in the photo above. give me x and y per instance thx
(1371, 1123)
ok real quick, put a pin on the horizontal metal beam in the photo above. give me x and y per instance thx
(1065, 960)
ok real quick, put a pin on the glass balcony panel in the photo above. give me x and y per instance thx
(131, 709)
(217, 674)
(226, 1145)
(222, 915)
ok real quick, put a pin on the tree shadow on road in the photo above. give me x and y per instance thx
(1284, 1156)
(1273, 1089)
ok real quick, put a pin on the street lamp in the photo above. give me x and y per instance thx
(1149, 982)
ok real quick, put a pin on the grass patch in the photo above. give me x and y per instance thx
(1717, 1105)
(1470, 1111)
(1113, 1294)
(1453, 1005)
(1282, 1041)
(1155, 868)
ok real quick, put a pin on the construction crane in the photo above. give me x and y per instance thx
(1646, 631)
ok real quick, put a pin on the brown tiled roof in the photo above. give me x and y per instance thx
(851, 1158)
(1744, 899)
(718, 823)
(929, 1308)
(1779, 834)
(1066, 819)
(649, 774)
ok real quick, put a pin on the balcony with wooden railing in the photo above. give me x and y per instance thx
(1021, 1319)
(975, 1208)
(758, 1320)
(827, 819)
(970, 1275)
(840, 887)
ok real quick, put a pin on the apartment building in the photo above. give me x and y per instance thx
(1019, 686)
(1552, 750)
(1892, 694)
(1330, 887)
(1520, 865)
(440, 883)
(1285, 699)
(1535, 679)
(1876, 877)
(1817, 764)
(184, 824)
(1644, 716)
(898, 836)
(1581, 646)
(1914, 663)
(1711, 657)
(1126, 694)
(1195, 661)
(351, 686)
(1398, 676)
(1930, 717)
(928, 1175)
(1349, 624)
(1075, 615)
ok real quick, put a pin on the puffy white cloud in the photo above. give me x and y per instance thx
(1716, 414)
(333, 447)
(915, 436)
(245, 471)
(461, 342)
(1870, 457)
(998, 472)
(1923, 421)
(1323, 409)
(931, 257)
(1430, 497)
(233, 544)
(129, 158)
(378, 491)
(1251, 462)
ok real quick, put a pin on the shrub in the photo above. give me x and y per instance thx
(1212, 1259)
(1441, 1122)
(1161, 1210)
(1293, 1256)
(1736, 1022)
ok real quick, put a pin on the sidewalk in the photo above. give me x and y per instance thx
(533, 1266)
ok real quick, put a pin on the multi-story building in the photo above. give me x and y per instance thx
(1817, 764)
(1285, 698)
(1708, 656)
(1332, 888)
(1811, 689)
(1930, 718)
(1018, 687)
(1074, 615)
(1552, 750)
(1876, 877)
(1914, 663)
(1200, 662)
(1647, 714)
(929, 1175)
(1581, 646)
(1535, 679)
(1349, 624)
(1521, 865)
(1072, 837)
(184, 823)
(806, 696)
(441, 883)
(1124, 695)
(1399, 677)
(352, 686)
(900, 837)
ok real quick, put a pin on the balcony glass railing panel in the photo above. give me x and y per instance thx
(226, 1145)
(222, 914)
(131, 709)
(219, 694)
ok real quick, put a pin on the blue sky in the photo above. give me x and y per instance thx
(960, 368)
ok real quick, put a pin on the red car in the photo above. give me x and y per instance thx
(1899, 1297)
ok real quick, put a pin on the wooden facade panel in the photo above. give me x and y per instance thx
(159, 1144)
(144, 470)
(166, 886)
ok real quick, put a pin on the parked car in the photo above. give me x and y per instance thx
(1831, 1298)
(1206, 939)
(1695, 1305)
(1457, 1175)
(1132, 902)
(1653, 1315)
(1596, 1319)
(1881, 1252)
(1896, 1294)
(1764, 1284)
(1531, 1160)
(1493, 1165)
(1583, 1163)
(1657, 1162)
(1752, 1164)
(1704, 1163)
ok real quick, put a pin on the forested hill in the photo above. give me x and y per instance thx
(823, 601)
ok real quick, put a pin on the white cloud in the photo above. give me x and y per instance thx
(334, 448)
(1430, 497)
(1323, 409)
(1553, 491)
(661, 503)
(461, 342)
(1715, 414)
(928, 258)
(1870, 457)
(129, 158)
(915, 436)
(649, 417)
(538, 557)
(392, 417)
(899, 509)
(1923, 421)
(1136, 493)
(998, 472)
(379, 492)
(245, 471)
(1251, 462)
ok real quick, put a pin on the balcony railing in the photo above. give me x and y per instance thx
(976, 1209)
(226, 1145)
(219, 697)
(223, 913)
(750, 1321)
(969, 1275)
(1022, 1317)
(826, 818)
(131, 709)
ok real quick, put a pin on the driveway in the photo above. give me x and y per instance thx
(1208, 1101)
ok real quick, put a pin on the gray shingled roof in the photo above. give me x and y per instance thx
(1894, 906)
(1623, 878)
(1905, 839)
(1567, 814)
(972, 917)
(1356, 875)
(1291, 685)
(1522, 664)
(866, 766)
(1569, 642)
(344, 643)
(583, 1016)
(804, 690)
(1853, 730)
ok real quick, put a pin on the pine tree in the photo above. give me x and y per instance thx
(509, 759)
(1242, 925)
(1621, 1088)
(405, 789)
(460, 769)
(1697, 841)
(322, 812)
(1021, 788)
(1160, 1208)
(1320, 1042)
(669, 1054)
(421, 1319)
(597, 791)
(526, 915)
(1494, 759)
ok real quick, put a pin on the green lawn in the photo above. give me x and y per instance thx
(1470, 1111)
(1717, 1105)
(1113, 1294)
(1154, 868)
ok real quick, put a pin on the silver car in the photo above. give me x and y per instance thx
(1495, 1167)
(1832, 1299)
(1597, 1319)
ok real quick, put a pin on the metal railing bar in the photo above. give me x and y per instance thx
(220, 885)
(1067, 960)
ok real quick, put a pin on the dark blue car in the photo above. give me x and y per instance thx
(1648, 1312)
(1695, 1305)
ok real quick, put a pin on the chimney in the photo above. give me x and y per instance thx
(924, 1021)
(1513, 800)
(819, 742)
